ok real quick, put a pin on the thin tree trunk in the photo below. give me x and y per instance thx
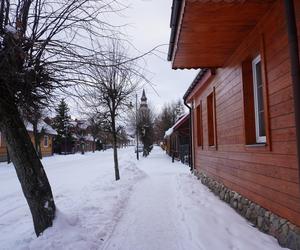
(116, 163)
(29, 168)
(94, 144)
(8, 156)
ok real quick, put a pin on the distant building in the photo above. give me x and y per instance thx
(177, 139)
(143, 105)
(82, 140)
(46, 145)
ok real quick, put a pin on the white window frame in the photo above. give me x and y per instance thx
(46, 145)
(259, 139)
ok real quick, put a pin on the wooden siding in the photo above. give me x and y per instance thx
(46, 151)
(2, 148)
(210, 30)
(267, 175)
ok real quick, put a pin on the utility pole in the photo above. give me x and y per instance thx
(137, 130)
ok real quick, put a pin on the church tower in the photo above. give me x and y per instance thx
(144, 104)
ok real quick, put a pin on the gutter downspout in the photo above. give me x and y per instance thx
(295, 66)
(176, 7)
(191, 160)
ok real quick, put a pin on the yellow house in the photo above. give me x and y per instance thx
(46, 143)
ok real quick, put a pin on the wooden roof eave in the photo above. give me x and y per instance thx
(208, 32)
(199, 83)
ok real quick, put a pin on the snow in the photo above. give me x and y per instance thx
(41, 125)
(171, 130)
(89, 137)
(10, 29)
(156, 205)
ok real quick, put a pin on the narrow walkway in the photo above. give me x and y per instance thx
(170, 210)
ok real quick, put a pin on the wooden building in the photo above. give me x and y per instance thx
(177, 140)
(245, 102)
(46, 145)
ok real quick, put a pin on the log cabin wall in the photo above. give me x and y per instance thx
(267, 175)
(46, 148)
(3, 152)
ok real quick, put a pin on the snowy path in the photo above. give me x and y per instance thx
(156, 205)
(150, 220)
(170, 209)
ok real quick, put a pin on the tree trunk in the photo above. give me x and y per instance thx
(29, 168)
(116, 163)
(94, 145)
(37, 141)
(82, 148)
(8, 156)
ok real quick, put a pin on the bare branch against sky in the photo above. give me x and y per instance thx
(145, 24)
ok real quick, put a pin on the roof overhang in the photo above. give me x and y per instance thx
(205, 33)
(202, 79)
(181, 122)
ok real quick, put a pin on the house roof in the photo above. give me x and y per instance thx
(198, 77)
(205, 33)
(88, 137)
(41, 125)
(179, 122)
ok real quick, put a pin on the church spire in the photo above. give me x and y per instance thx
(144, 100)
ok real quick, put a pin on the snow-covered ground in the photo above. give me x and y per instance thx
(156, 205)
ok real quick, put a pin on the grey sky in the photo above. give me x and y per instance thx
(146, 25)
(149, 26)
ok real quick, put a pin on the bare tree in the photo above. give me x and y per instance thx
(95, 127)
(112, 90)
(33, 115)
(170, 113)
(43, 48)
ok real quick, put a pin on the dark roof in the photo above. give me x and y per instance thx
(182, 120)
(144, 98)
(195, 82)
(176, 7)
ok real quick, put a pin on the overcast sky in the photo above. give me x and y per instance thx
(148, 26)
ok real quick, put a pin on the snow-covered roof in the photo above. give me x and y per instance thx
(10, 29)
(171, 130)
(41, 125)
(89, 137)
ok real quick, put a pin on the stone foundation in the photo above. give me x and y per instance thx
(287, 234)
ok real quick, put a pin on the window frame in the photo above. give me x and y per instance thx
(46, 145)
(259, 138)
(199, 125)
(211, 125)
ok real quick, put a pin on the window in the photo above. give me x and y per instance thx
(199, 125)
(46, 141)
(211, 123)
(254, 108)
(260, 129)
